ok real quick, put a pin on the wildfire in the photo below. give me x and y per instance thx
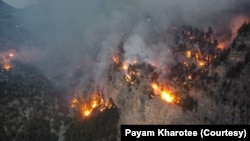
(201, 63)
(155, 86)
(190, 77)
(222, 45)
(165, 94)
(5, 59)
(188, 53)
(115, 59)
(7, 67)
(94, 104)
(11, 55)
(74, 103)
(86, 110)
(125, 66)
(128, 79)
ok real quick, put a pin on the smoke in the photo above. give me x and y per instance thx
(73, 41)
(236, 23)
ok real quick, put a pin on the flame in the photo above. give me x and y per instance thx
(6, 58)
(197, 55)
(7, 67)
(190, 77)
(74, 102)
(125, 66)
(165, 94)
(155, 86)
(201, 63)
(115, 59)
(188, 53)
(128, 78)
(222, 45)
(95, 103)
(11, 55)
(86, 111)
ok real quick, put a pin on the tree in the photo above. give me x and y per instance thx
(36, 129)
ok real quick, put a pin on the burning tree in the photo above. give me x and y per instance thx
(95, 103)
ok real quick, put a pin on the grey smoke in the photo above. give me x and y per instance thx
(81, 35)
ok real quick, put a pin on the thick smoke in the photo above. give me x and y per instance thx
(73, 41)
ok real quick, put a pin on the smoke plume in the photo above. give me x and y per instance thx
(73, 41)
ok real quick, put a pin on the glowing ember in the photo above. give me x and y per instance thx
(11, 55)
(135, 62)
(201, 63)
(7, 67)
(115, 59)
(154, 86)
(93, 103)
(128, 78)
(197, 56)
(6, 58)
(74, 103)
(188, 54)
(186, 64)
(190, 77)
(125, 66)
(222, 45)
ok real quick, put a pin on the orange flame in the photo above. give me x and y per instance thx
(201, 63)
(7, 67)
(95, 103)
(188, 53)
(74, 103)
(222, 45)
(115, 59)
(128, 78)
(125, 66)
(86, 111)
(6, 58)
(155, 86)
(165, 94)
